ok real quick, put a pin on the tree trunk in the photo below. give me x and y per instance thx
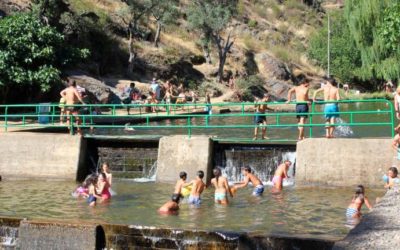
(132, 55)
(158, 33)
(207, 55)
(223, 49)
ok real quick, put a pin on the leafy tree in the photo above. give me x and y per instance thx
(373, 24)
(131, 15)
(32, 54)
(165, 12)
(345, 56)
(211, 19)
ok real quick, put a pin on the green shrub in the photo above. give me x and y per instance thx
(252, 24)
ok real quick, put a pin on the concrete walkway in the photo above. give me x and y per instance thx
(379, 229)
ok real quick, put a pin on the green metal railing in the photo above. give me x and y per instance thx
(107, 116)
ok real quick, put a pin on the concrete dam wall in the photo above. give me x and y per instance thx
(39, 155)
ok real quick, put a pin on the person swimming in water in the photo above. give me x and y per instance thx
(280, 174)
(171, 206)
(197, 188)
(250, 177)
(93, 195)
(354, 209)
(221, 187)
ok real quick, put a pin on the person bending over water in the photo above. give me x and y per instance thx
(171, 206)
(249, 177)
(197, 188)
(280, 174)
(221, 187)
(93, 195)
(354, 209)
(103, 187)
(180, 183)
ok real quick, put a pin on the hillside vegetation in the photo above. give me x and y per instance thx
(269, 40)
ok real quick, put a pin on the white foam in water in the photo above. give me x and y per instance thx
(342, 130)
(151, 175)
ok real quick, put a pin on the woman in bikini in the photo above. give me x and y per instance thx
(354, 209)
(221, 187)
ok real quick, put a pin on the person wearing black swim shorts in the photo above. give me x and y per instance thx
(302, 101)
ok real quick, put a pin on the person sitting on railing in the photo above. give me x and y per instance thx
(331, 96)
(260, 120)
(72, 97)
(302, 100)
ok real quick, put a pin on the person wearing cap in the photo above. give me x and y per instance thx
(260, 120)
(302, 102)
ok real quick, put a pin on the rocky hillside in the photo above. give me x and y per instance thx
(270, 41)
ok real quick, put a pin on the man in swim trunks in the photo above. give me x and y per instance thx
(280, 174)
(72, 97)
(221, 187)
(302, 101)
(250, 177)
(260, 120)
(331, 97)
(197, 188)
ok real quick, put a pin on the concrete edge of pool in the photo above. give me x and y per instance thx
(16, 233)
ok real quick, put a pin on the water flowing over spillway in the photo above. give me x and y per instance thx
(262, 160)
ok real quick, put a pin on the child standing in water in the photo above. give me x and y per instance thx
(280, 174)
(93, 196)
(105, 168)
(180, 183)
(103, 187)
(359, 198)
(221, 187)
(250, 177)
(197, 189)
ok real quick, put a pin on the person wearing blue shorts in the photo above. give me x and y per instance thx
(260, 120)
(331, 110)
(250, 177)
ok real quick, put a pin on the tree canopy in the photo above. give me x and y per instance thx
(32, 54)
(374, 25)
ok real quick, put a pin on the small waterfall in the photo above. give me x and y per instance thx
(342, 130)
(263, 162)
(8, 237)
(149, 175)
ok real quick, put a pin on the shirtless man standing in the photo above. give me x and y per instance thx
(280, 174)
(221, 187)
(72, 97)
(250, 177)
(302, 101)
(197, 188)
(260, 119)
(331, 96)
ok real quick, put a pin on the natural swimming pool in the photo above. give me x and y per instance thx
(313, 211)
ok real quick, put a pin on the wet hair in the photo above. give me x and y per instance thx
(175, 198)
(394, 170)
(182, 175)
(72, 83)
(359, 192)
(103, 175)
(217, 173)
(331, 80)
(200, 174)
(132, 85)
(247, 169)
(301, 79)
(288, 161)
